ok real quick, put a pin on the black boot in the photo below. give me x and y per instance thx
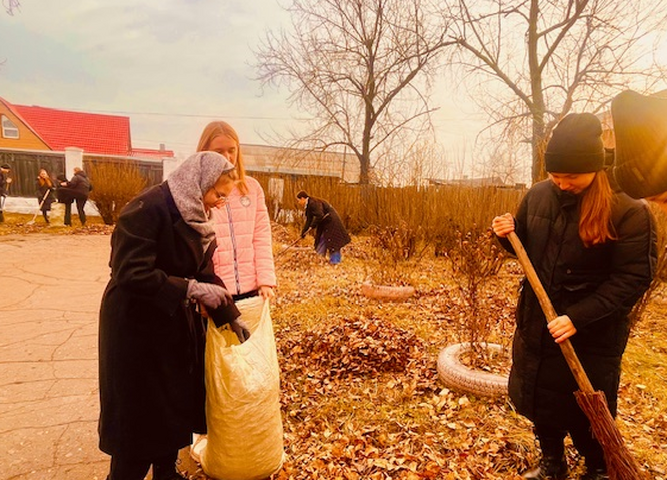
(550, 468)
(171, 474)
(165, 469)
(595, 474)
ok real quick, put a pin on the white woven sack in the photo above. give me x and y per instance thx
(245, 431)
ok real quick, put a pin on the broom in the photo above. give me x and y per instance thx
(279, 254)
(621, 465)
(46, 194)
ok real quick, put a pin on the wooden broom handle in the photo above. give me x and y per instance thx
(549, 312)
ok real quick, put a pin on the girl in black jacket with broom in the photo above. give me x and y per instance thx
(594, 252)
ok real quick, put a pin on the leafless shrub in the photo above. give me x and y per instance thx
(399, 242)
(115, 184)
(392, 250)
(475, 258)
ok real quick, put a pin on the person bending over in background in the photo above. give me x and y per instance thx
(330, 234)
(594, 251)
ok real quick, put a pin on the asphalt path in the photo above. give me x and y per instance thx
(50, 291)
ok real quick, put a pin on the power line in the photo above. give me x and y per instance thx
(187, 115)
(448, 118)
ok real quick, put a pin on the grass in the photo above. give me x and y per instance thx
(19, 223)
(643, 394)
(446, 434)
(351, 413)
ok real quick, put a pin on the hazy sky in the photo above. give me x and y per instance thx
(172, 66)
(188, 61)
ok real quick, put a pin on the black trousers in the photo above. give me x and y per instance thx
(128, 468)
(551, 443)
(557, 412)
(80, 204)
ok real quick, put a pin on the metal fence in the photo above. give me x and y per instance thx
(25, 165)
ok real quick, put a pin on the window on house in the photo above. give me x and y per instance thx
(9, 128)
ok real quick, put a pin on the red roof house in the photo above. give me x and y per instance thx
(41, 128)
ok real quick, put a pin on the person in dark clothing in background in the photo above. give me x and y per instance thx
(151, 337)
(5, 182)
(64, 193)
(79, 188)
(594, 251)
(640, 129)
(330, 234)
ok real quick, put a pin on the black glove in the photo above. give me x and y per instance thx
(241, 330)
(210, 294)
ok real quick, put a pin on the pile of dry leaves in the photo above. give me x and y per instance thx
(352, 347)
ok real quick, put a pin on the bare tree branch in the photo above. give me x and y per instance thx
(11, 5)
(549, 57)
(360, 68)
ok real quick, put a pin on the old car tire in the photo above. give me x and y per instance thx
(387, 292)
(457, 376)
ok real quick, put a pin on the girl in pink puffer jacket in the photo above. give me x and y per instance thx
(244, 258)
(244, 255)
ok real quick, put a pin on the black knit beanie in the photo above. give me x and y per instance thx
(576, 145)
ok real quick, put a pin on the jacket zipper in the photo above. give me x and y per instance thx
(233, 239)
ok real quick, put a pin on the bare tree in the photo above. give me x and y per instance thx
(11, 5)
(360, 68)
(537, 60)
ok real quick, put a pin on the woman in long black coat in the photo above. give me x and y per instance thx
(330, 233)
(151, 338)
(594, 252)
